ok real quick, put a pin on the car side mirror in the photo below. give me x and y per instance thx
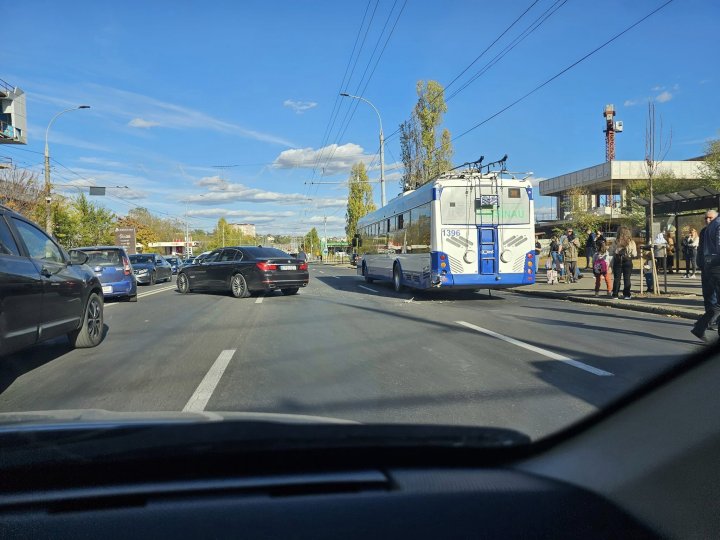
(78, 257)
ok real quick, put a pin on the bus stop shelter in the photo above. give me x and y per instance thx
(685, 208)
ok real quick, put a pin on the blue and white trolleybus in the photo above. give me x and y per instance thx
(466, 229)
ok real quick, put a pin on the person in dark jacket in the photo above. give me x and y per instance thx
(590, 248)
(707, 320)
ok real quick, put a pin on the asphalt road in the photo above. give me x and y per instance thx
(343, 348)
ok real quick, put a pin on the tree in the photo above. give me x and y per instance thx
(21, 192)
(423, 158)
(360, 198)
(312, 242)
(94, 224)
(711, 166)
(579, 216)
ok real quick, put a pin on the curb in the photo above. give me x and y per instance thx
(617, 304)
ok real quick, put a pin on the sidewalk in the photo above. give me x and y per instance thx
(684, 298)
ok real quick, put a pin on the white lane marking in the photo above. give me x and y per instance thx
(336, 277)
(259, 299)
(544, 352)
(199, 400)
(367, 288)
(143, 295)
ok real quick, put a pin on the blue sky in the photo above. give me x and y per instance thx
(180, 88)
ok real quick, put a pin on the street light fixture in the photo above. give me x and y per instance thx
(382, 145)
(48, 198)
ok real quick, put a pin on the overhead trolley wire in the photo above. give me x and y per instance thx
(565, 70)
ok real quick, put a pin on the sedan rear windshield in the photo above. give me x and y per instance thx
(104, 257)
(142, 259)
(265, 253)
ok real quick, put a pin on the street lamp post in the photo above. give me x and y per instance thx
(48, 199)
(382, 146)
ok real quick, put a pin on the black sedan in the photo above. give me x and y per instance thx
(242, 270)
(44, 292)
(149, 268)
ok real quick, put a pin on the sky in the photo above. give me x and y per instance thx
(232, 109)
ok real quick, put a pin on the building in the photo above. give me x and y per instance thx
(13, 123)
(605, 185)
(248, 229)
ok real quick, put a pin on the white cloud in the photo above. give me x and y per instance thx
(140, 123)
(242, 215)
(657, 88)
(101, 162)
(631, 102)
(663, 97)
(223, 191)
(331, 220)
(332, 159)
(299, 106)
(134, 106)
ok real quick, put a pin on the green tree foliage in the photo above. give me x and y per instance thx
(360, 198)
(425, 152)
(94, 224)
(578, 215)
(312, 242)
(711, 166)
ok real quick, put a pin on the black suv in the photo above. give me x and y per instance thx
(44, 291)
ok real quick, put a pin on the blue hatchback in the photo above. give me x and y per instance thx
(112, 267)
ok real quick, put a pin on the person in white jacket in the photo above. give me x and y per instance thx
(690, 248)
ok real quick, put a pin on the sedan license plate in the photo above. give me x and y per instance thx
(288, 267)
(107, 289)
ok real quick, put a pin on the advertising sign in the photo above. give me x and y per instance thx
(126, 239)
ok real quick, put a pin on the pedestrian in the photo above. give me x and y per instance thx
(624, 252)
(538, 250)
(601, 265)
(555, 254)
(590, 248)
(599, 238)
(708, 262)
(660, 251)
(689, 250)
(571, 246)
(670, 252)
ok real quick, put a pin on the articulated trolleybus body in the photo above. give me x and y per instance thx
(466, 229)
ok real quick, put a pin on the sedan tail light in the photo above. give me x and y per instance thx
(266, 266)
(303, 266)
(126, 267)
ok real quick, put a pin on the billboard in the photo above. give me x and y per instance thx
(126, 239)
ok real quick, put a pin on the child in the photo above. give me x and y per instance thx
(601, 265)
(552, 276)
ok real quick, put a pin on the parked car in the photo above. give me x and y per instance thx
(149, 268)
(242, 270)
(111, 265)
(175, 263)
(44, 291)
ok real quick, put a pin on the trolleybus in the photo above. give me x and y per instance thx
(471, 228)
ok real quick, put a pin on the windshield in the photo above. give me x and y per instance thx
(108, 257)
(265, 253)
(142, 259)
(440, 213)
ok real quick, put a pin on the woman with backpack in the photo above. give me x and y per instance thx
(601, 265)
(623, 254)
